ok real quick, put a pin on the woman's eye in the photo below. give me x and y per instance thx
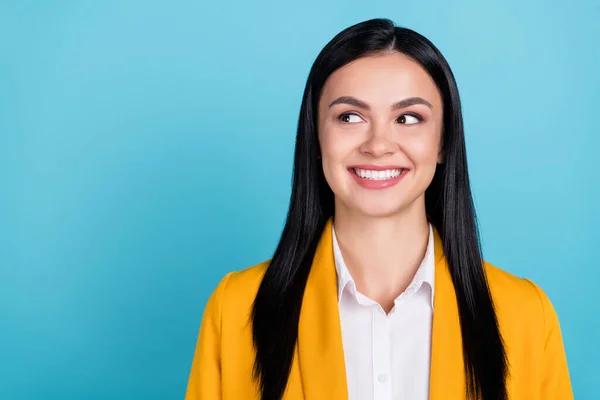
(349, 118)
(409, 119)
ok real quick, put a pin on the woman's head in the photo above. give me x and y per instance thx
(366, 94)
(380, 129)
(379, 96)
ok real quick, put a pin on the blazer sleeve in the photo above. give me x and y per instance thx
(556, 383)
(204, 381)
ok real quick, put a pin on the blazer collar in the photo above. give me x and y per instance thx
(447, 379)
(320, 348)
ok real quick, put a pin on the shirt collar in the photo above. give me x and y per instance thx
(425, 273)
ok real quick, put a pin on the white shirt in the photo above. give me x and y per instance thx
(387, 357)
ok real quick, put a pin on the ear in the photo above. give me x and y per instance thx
(441, 158)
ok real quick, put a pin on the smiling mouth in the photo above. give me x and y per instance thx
(381, 175)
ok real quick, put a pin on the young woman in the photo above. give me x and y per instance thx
(377, 288)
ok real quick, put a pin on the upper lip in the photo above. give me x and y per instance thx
(376, 167)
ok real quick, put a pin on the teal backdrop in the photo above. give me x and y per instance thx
(146, 150)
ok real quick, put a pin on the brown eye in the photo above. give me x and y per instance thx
(409, 119)
(349, 118)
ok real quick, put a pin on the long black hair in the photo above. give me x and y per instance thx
(449, 206)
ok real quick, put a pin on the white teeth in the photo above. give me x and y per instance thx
(378, 175)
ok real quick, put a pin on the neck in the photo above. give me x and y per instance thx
(382, 253)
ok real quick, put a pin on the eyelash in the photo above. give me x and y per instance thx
(412, 114)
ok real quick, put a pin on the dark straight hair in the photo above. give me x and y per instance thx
(449, 206)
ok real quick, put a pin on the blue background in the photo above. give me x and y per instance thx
(146, 150)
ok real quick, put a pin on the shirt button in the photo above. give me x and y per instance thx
(382, 378)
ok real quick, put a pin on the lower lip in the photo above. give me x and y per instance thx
(377, 184)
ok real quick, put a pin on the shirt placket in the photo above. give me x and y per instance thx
(382, 374)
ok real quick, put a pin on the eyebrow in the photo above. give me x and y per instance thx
(353, 101)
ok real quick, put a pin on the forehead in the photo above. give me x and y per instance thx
(382, 80)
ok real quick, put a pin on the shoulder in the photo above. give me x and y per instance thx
(506, 285)
(235, 292)
(245, 282)
(503, 283)
(519, 301)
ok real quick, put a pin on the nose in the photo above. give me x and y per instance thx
(379, 142)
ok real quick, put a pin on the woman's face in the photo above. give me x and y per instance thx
(380, 127)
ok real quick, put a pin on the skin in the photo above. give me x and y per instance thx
(382, 233)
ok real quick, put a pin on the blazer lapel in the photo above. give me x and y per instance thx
(447, 379)
(320, 347)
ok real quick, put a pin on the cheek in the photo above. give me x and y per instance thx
(424, 149)
(337, 145)
(336, 148)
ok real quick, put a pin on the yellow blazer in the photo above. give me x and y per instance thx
(224, 356)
